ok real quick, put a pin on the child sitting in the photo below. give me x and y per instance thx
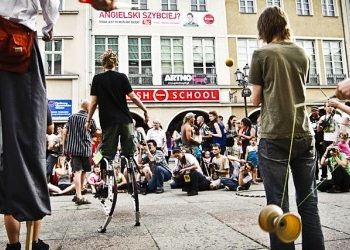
(252, 156)
(343, 144)
(94, 180)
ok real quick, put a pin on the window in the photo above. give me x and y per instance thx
(328, 7)
(245, 49)
(271, 3)
(198, 5)
(204, 58)
(332, 53)
(247, 6)
(172, 55)
(53, 57)
(140, 61)
(141, 3)
(309, 46)
(169, 4)
(303, 7)
(102, 44)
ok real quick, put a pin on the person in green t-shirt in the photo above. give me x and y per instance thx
(340, 169)
(279, 72)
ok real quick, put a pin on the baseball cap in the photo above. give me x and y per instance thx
(314, 108)
(190, 114)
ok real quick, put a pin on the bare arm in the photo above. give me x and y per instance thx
(336, 104)
(136, 100)
(256, 94)
(93, 106)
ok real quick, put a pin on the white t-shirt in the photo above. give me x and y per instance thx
(190, 160)
(331, 132)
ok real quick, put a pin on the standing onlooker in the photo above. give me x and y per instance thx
(204, 133)
(279, 72)
(23, 111)
(246, 133)
(187, 133)
(78, 144)
(158, 134)
(217, 131)
(231, 133)
(314, 119)
(329, 124)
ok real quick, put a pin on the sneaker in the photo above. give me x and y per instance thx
(40, 245)
(82, 201)
(159, 190)
(334, 189)
(15, 246)
(192, 193)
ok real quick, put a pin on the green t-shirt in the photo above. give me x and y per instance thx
(333, 163)
(282, 70)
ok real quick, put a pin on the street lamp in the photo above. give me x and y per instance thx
(242, 80)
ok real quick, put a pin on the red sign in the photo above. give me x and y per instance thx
(178, 95)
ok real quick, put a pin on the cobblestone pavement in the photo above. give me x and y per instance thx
(172, 220)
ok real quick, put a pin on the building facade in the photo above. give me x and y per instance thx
(174, 52)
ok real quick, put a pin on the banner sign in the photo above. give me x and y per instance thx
(155, 18)
(178, 95)
(185, 79)
(60, 108)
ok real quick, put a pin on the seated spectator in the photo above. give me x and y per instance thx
(64, 175)
(120, 180)
(206, 159)
(188, 174)
(340, 169)
(220, 167)
(343, 144)
(252, 156)
(245, 176)
(94, 179)
(158, 166)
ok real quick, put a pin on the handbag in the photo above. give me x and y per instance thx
(16, 46)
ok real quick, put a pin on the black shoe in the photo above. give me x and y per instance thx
(40, 245)
(192, 193)
(15, 246)
(82, 201)
(159, 190)
(333, 190)
(74, 198)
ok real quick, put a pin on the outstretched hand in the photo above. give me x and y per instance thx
(343, 90)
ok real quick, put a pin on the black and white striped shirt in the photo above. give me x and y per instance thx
(78, 142)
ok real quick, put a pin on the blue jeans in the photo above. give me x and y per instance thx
(273, 161)
(160, 175)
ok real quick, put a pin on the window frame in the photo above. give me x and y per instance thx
(197, 6)
(249, 50)
(274, 4)
(53, 52)
(140, 3)
(172, 60)
(212, 76)
(246, 7)
(107, 46)
(326, 4)
(314, 70)
(169, 4)
(302, 2)
(334, 75)
(139, 76)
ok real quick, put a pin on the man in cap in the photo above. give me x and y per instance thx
(314, 118)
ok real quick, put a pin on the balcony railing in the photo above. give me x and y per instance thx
(141, 79)
(212, 79)
(314, 79)
(334, 79)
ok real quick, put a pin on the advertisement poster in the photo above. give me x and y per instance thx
(185, 79)
(156, 18)
(60, 108)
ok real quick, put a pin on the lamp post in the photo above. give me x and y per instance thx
(242, 80)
